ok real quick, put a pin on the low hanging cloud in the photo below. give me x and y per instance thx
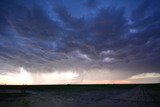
(145, 75)
(25, 77)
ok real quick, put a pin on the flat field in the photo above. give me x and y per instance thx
(109, 95)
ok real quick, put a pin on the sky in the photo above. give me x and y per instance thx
(79, 41)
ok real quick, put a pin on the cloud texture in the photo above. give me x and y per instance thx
(48, 35)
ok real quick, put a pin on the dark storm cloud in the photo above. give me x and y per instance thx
(147, 37)
(108, 25)
(92, 3)
(29, 21)
(96, 34)
(68, 19)
(38, 37)
(26, 34)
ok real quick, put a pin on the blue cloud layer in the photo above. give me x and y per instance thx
(48, 34)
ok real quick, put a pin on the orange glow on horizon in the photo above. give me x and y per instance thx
(106, 82)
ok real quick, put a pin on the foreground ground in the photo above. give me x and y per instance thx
(80, 96)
